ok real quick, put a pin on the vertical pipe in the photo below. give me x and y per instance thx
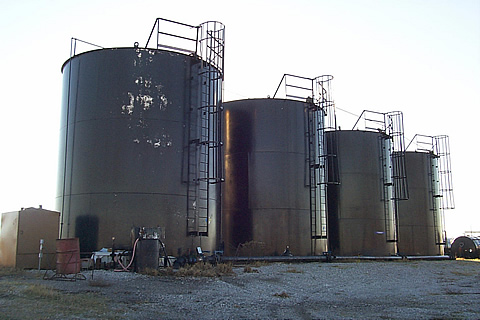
(73, 44)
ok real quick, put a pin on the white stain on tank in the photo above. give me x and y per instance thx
(128, 108)
(163, 102)
(164, 141)
(142, 124)
(145, 100)
(148, 95)
(140, 81)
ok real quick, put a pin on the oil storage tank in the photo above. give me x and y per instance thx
(420, 227)
(265, 201)
(135, 150)
(357, 210)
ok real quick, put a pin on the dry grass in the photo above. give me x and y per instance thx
(196, 270)
(452, 291)
(225, 268)
(99, 283)
(42, 292)
(30, 301)
(150, 272)
(283, 294)
(248, 269)
(258, 264)
(464, 273)
(411, 263)
(81, 301)
(8, 271)
(205, 270)
(293, 270)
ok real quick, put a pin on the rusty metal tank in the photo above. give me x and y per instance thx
(420, 227)
(124, 145)
(265, 200)
(466, 247)
(356, 207)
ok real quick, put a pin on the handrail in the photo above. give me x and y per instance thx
(172, 35)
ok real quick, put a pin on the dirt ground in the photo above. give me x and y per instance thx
(448, 289)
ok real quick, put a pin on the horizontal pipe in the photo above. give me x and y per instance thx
(326, 258)
(389, 258)
(274, 259)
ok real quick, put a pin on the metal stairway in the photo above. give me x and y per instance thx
(204, 169)
(440, 179)
(316, 95)
(202, 162)
(435, 198)
(385, 146)
(392, 161)
(316, 176)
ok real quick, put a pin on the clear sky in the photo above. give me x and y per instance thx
(421, 57)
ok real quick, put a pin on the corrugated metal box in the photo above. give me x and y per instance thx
(20, 236)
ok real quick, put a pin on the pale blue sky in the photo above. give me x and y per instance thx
(421, 57)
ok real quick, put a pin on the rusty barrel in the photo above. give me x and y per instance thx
(68, 256)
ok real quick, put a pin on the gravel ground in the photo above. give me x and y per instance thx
(337, 290)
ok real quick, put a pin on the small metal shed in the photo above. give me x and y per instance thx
(20, 235)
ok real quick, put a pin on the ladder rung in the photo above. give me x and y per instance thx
(374, 120)
(298, 87)
(296, 97)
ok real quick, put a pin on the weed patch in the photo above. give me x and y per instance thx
(205, 270)
(293, 270)
(258, 264)
(283, 294)
(99, 283)
(7, 271)
(452, 291)
(150, 272)
(30, 301)
(248, 269)
(36, 291)
(464, 273)
(225, 268)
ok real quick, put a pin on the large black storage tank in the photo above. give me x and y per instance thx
(123, 150)
(420, 227)
(265, 198)
(356, 206)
